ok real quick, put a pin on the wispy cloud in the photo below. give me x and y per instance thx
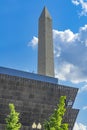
(76, 2)
(70, 50)
(85, 108)
(33, 42)
(80, 126)
(83, 5)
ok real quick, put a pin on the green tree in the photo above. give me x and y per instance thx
(55, 121)
(12, 120)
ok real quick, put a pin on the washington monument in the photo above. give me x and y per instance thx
(45, 45)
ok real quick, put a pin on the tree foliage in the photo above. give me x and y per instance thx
(12, 120)
(55, 121)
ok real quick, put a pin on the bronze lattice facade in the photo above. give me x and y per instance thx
(35, 99)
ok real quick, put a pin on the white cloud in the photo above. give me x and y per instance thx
(80, 126)
(33, 42)
(71, 54)
(83, 89)
(66, 36)
(67, 71)
(83, 4)
(84, 7)
(85, 108)
(75, 2)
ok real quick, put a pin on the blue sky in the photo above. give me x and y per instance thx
(19, 39)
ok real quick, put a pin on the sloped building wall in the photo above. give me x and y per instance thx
(35, 100)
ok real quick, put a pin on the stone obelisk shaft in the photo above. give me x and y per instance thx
(45, 45)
